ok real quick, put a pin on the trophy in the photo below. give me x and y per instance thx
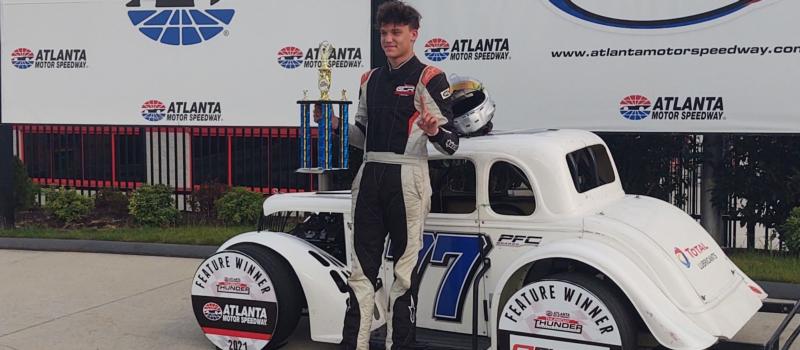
(332, 149)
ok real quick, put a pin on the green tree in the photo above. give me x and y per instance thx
(759, 180)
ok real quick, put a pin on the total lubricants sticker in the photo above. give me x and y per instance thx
(234, 301)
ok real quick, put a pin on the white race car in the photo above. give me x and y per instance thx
(531, 243)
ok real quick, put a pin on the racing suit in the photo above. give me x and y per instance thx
(391, 192)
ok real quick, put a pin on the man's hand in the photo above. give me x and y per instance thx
(428, 123)
(318, 116)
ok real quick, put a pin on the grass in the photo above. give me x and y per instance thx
(762, 266)
(196, 235)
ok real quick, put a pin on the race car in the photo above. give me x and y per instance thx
(531, 243)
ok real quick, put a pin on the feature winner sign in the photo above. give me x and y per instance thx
(234, 301)
(542, 311)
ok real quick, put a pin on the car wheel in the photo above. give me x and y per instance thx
(566, 310)
(246, 297)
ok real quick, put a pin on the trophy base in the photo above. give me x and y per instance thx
(317, 170)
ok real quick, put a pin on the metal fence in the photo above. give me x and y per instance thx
(88, 158)
(265, 159)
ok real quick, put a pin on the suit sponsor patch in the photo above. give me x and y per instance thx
(405, 90)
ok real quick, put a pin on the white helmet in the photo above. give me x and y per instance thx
(472, 108)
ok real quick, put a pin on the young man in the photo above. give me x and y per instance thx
(402, 106)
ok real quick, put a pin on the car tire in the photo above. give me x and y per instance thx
(287, 289)
(558, 320)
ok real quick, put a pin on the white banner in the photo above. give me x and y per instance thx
(624, 65)
(175, 62)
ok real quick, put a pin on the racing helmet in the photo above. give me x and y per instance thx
(473, 109)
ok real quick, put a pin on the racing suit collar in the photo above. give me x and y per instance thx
(404, 67)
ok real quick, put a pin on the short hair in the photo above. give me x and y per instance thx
(397, 12)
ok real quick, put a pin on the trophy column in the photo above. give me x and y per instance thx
(332, 151)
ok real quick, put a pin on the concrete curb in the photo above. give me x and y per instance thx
(109, 247)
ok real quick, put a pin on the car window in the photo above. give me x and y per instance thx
(453, 184)
(510, 191)
(590, 167)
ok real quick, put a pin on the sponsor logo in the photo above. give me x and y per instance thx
(241, 314)
(635, 107)
(518, 241)
(291, 57)
(638, 107)
(558, 321)
(629, 19)
(24, 58)
(179, 22)
(707, 261)
(446, 93)
(212, 311)
(682, 258)
(404, 90)
(468, 49)
(437, 49)
(153, 110)
(233, 285)
(182, 111)
(684, 255)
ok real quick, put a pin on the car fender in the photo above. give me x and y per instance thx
(671, 327)
(327, 301)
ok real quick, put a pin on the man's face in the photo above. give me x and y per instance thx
(397, 40)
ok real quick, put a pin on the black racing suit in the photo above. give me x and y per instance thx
(391, 192)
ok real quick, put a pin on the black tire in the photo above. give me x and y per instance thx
(616, 304)
(287, 290)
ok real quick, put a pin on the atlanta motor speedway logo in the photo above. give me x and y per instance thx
(182, 111)
(179, 22)
(469, 49)
(291, 57)
(684, 108)
(24, 58)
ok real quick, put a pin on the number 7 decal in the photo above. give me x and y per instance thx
(461, 255)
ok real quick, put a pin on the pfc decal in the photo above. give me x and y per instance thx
(559, 309)
(234, 301)
(518, 241)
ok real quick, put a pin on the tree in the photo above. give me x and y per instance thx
(759, 180)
